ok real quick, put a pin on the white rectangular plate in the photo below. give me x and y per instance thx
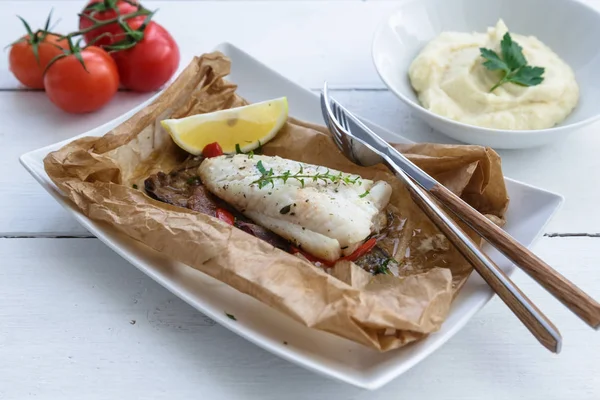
(530, 210)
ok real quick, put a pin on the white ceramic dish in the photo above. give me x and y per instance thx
(530, 211)
(568, 27)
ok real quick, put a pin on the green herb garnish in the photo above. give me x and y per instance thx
(230, 316)
(238, 150)
(134, 186)
(365, 194)
(261, 168)
(194, 180)
(268, 177)
(383, 268)
(285, 209)
(513, 64)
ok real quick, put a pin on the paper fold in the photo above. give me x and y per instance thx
(382, 312)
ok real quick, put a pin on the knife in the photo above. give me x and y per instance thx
(575, 299)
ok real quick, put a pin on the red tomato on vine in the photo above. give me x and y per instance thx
(30, 55)
(78, 89)
(151, 62)
(82, 79)
(102, 10)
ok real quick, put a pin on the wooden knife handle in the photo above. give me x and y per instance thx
(537, 323)
(560, 287)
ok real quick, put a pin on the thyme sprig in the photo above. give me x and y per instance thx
(383, 268)
(268, 177)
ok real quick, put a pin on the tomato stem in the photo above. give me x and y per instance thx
(39, 35)
(74, 49)
(97, 38)
(98, 23)
(33, 38)
(132, 37)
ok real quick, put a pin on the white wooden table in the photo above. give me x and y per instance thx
(77, 321)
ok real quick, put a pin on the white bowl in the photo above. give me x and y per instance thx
(568, 27)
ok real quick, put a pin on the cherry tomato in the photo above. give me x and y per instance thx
(75, 90)
(25, 66)
(362, 250)
(212, 150)
(151, 62)
(225, 216)
(103, 10)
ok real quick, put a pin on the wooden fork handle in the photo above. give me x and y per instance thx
(537, 323)
(560, 287)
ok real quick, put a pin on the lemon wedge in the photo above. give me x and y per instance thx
(248, 127)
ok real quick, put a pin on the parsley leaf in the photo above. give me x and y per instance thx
(512, 53)
(513, 64)
(365, 194)
(528, 76)
(494, 62)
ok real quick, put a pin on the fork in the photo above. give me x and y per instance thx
(537, 323)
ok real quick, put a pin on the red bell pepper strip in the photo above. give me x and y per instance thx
(312, 258)
(225, 216)
(356, 254)
(362, 250)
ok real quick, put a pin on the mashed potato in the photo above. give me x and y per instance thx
(450, 80)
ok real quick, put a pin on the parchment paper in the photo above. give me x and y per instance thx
(383, 312)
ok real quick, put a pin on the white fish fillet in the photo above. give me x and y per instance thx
(324, 218)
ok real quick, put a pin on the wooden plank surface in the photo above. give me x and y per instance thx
(77, 321)
(31, 122)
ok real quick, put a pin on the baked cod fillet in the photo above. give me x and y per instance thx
(327, 217)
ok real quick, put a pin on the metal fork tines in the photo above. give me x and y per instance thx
(362, 153)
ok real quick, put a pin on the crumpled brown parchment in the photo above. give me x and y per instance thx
(383, 312)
